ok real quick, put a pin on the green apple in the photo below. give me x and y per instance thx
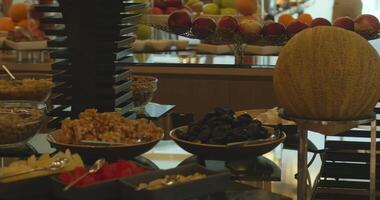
(143, 32)
(191, 2)
(228, 11)
(228, 3)
(211, 9)
(218, 2)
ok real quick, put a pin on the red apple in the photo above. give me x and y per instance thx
(228, 25)
(250, 30)
(203, 27)
(187, 8)
(35, 14)
(344, 22)
(174, 3)
(156, 11)
(295, 27)
(45, 1)
(179, 22)
(273, 30)
(320, 22)
(160, 4)
(367, 25)
(367, 22)
(170, 10)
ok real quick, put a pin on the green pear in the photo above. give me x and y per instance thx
(143, 32)
(228, 3)
(191, 2)
(217, 2)
(211, 9)
(228, 11)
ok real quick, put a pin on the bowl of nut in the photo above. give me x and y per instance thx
(143, 88)
(27, 86)
(109, 135)
(220, 135)
(20, 121)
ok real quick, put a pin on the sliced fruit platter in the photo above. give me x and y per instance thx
(64, 176)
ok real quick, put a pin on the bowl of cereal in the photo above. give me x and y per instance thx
(94, 135)
(20, 121)
(143, 88)
(27, 86)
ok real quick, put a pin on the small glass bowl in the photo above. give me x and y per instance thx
(20, 121)
(36, 88)
(143, 88)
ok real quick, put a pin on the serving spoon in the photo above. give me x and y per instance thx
(93, 169)
(56, 164)
(8, 72)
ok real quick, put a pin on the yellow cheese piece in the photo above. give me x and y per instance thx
(43, 161)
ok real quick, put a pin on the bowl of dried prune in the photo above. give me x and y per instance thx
(221, 135)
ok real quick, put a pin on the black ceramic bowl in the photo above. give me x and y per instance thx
(91, 153)
(228, 152)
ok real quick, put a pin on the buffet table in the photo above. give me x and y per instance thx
(168, 155)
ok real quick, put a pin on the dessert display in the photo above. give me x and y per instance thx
(110, 171)
(35, 87)
(33, 162)
(335, 81)
(143, 88)
(170, 180)
(222, 127)
(109, 127)
(19, 121)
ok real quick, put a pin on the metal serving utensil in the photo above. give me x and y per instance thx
(56, 164)
(8, 72)
(93, 169)
(105, 143)
(167, 181)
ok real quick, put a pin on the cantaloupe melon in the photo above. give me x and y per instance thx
(327, 73)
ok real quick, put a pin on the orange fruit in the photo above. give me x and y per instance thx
(29, 24)
(305, 18)
(6, 24)
(246, 7)
(285, 19)
(19, 11)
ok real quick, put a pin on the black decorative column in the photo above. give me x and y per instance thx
(92, 39)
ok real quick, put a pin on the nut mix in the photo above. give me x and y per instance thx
(16, 127)
(26, 89)
(143, 88)
(107, 127)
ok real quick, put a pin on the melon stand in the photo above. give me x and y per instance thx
(327, 128)
(322, 97)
